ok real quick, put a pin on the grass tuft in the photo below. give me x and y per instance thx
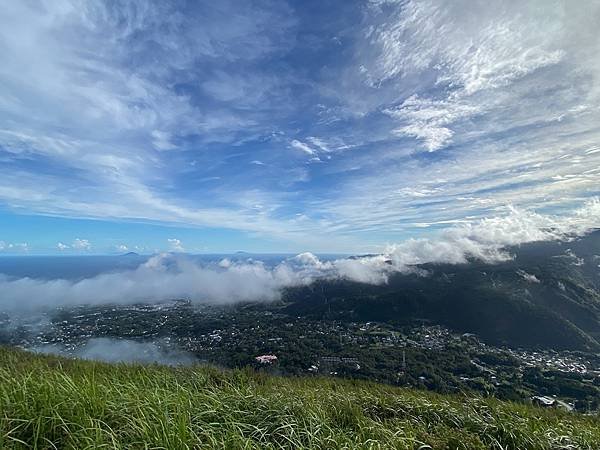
(47, 402)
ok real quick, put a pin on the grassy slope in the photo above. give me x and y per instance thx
(48, 402)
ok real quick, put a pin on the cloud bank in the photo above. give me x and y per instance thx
(121, 350)
(172, 275)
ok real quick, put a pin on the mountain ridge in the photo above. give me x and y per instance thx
(546, 296)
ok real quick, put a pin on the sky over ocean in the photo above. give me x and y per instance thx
(293, 126)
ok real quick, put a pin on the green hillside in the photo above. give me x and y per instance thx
(49, 402)
(546, 296)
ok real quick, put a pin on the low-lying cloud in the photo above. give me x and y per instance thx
(169, 276)
(121, 350)
(487, 239)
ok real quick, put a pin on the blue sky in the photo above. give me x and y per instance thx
(289, 126)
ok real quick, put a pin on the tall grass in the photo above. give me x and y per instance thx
(49, 402)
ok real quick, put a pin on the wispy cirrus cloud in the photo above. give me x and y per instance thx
(483, 88)
(303, 147)
(341, 130)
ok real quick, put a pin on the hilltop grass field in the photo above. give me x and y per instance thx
(49, 402)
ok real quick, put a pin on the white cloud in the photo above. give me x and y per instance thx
(175, 245)
(428, 120)
(120, 350)
(121, 248)
(329, 144)
(319, 143)
(161, 277)
(62, 246)
(470, 55)
(472, 46)
(14, 247)
(81, 244)
(298, 145)
(486, 239)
